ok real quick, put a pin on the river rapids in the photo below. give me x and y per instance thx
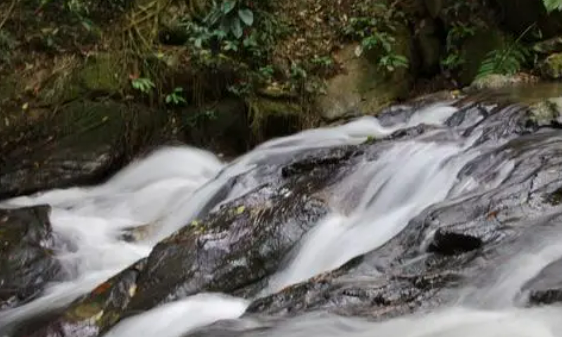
(436, 220)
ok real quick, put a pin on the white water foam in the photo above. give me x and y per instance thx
(176, 318)
(169, 187)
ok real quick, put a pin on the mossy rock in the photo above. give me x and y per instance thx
(551, 68)
(547, 112)
(275, 117)
(498, 81)
(103, 74)
(99, 75)
(475, 49)
(364, 87)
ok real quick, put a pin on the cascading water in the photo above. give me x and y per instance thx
(162, 192)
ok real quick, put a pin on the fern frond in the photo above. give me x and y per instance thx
(507, 60)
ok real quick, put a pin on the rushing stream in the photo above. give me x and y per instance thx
(452, 161)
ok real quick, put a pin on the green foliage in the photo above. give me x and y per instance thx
(144, 85)
(175, 97)
(7, 45)
(230, 17)
(377, 33)
(324, 61)
(507, 60)
(237, 35)
(236, 28)
(552, 5)
(455, 36)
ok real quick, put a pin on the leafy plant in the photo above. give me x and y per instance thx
(324, 61)
(378, 33)
(175, 97)
(456, 35)
(230, 17)
(507, 60)
(392, 61)
(552, 5)
(144, 85)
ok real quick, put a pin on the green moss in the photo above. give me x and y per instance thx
(262, 109)
(103, 74)
(546, 112)
(552, 67)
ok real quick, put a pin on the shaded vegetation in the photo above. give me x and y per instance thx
(276, 57)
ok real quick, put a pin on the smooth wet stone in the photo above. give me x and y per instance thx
(546, 287)
(27, 255)
(94, 313)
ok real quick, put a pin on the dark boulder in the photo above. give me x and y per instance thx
(80, 143)
(28, 260)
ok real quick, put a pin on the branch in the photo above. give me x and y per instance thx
(12, 6)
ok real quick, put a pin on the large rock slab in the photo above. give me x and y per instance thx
(81, 143)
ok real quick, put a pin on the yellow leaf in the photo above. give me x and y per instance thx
(25, 106)
(240, 210)
(133, 290)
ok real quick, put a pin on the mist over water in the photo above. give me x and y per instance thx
(170, 187)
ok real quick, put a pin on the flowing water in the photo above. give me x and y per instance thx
(167, 189)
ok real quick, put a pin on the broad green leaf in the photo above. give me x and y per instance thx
(247, 16)
(228, 6)
(552, 5)
(236, 28)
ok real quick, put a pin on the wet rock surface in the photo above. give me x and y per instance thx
(546, 287)
(28, 260)
(80, 143)
(508, 191)
(92, 314)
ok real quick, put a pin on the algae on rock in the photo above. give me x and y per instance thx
(103, 73)
(274, 117)
(551, 68)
